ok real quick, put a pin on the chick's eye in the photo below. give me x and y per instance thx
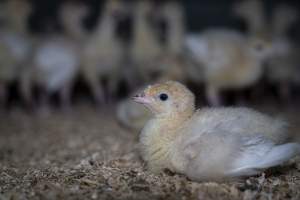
(163, 97)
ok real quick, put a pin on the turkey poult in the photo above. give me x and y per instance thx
(283, 67)
(104, 53)
(15, 43)
(228, 60)
(56, 59)
(55, 65)
(209, 143)
(145, 49)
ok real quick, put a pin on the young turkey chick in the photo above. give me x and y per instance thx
(15, 43)
(104, 53)
(145, 49)
(228, 60)
(56, 60)
(55, 65)
(283, 67)
(210, 143)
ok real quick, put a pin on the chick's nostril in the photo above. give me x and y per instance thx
(139, 95)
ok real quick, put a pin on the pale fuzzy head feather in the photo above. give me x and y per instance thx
(180, 99)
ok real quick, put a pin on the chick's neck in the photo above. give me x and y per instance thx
(176, 118)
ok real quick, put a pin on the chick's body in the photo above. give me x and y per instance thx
(15, 44)
(15, 41)
(103, 53)
(211, 143)
(55, 63)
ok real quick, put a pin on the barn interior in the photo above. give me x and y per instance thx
(68, 69)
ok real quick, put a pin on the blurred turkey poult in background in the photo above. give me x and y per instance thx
(230, 52)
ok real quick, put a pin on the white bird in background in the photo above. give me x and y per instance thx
(56, 64)
(132, 115)
(103, 54)
(15, 43)
(283, 68)
(229, 60)
(209, 143)
(145, 50)
(56, 60)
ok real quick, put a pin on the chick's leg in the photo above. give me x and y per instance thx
(3, 96)
(212, 95)
(112, 87)
(96, 88)
(65, 96)
(26, 90)
(45, 101)
(284, 92)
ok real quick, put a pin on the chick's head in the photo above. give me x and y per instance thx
(261, 47)
(168, 99)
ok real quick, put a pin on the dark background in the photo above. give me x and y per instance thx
(200, 14)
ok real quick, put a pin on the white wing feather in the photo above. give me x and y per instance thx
(259, 154)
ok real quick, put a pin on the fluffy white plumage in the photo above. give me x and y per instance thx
(56, 62)
(209, 143)
(19, 45)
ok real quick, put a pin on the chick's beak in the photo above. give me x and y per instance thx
(141, 98)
